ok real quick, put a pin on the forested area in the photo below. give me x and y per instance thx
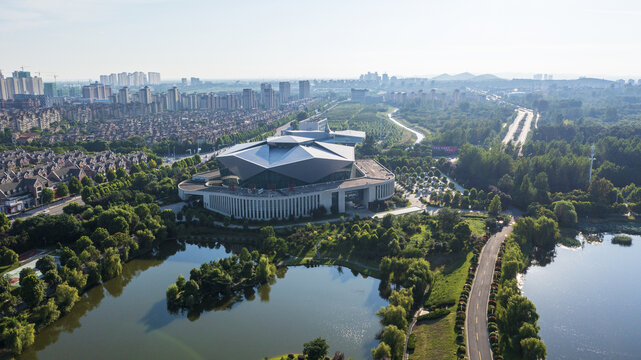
(455, 124)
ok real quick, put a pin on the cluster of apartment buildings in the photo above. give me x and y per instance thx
(20, 120)
(23, 175)
(21, 83)
(137, 78)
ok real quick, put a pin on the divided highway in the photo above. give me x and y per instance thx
(476, 334)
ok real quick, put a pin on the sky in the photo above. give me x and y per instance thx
(294, 39)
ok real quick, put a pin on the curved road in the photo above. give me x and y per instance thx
(419, 136)
(476, 334)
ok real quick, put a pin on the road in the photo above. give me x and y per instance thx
(51, 209)
(419, 135)
(514, 126)
(476, 334)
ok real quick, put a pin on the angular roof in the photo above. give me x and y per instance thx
(298, 157)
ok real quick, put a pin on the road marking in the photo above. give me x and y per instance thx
(480, 357)
(479, 292)
(477, 306)
(477, 319)
(477, 336)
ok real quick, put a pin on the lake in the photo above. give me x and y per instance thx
(127, 317)
(589, 301)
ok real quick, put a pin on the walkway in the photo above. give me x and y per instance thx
(419, 136)
(476, 334)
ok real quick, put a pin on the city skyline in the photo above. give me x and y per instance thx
(293, 40)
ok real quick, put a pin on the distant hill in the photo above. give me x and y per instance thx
(466, 76)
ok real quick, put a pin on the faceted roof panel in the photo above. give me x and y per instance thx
(297, 157)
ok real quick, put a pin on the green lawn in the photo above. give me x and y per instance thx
(280, 357)
(476, 223)
(436, 339)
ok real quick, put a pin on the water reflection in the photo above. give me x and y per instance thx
(127, 317)
(588, 299)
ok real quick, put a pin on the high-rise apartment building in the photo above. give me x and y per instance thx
(96, 91)
(153, 78)
(303, 89)
(284, 91)
(173, 99)
(50, 89)
(144, 95)
(123, 95)
(123, 79)
(249, 99)
(267, 96)
(4, 94)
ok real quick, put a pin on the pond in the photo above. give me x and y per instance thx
(589, 301)
(127, 318)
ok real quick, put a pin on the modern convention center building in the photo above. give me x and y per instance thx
(291, 176)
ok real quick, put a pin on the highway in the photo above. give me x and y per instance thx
(476, 334)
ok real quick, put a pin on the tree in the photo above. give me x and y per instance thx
(75, 187)
(547, 232)
(99, 236)
(47, 195)
(565, 213)
(99, 178)
(8, 256)
(463, 233)
(519, 310)
(45, 314)
(393, 315)
(601, 190)
(447, 218)
(46, 263)
(32, 290)
(533, 349)
(495, 206)
(66, 296)
(82, 243)
(111, 266)
(86, 181)
(16, 334)
(403, 298)
(382, 351)
(395, 338)
(5, 224)
(111, 175)
(74, 277)
(388, 221)
(62, 190)
(315, 349)
(265, 270)
(94, 275)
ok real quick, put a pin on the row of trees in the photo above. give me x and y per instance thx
(512, 318)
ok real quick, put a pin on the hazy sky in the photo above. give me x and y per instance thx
(81, 39)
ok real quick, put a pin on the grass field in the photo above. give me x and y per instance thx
(476, 223)
(436, 339)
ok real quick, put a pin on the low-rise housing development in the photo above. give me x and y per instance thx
(24, 175)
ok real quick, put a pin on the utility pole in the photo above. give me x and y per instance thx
(591, 162)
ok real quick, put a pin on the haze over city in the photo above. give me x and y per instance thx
(79, 39)
(316, 180)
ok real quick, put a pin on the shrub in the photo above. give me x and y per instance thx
(436, 314)
(411, 343)
(624, 240)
